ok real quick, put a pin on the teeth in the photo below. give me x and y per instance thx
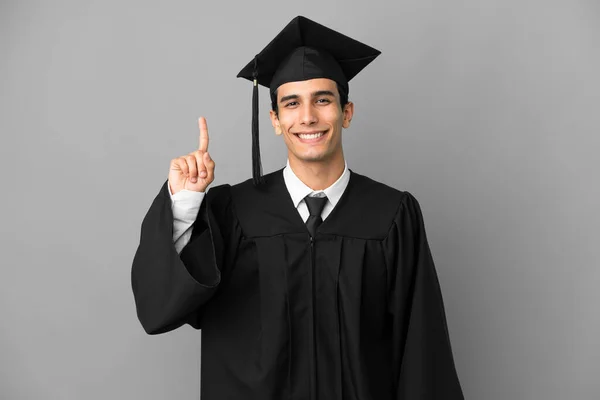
(311, 136)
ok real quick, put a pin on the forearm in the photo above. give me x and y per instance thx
(185, 205)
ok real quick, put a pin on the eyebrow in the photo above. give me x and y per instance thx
(314, 94)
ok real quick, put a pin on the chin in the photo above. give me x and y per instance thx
(312, 157)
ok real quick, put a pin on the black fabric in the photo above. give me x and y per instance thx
(354, 314)
(315, 207)
(305, 63)
(305, 49)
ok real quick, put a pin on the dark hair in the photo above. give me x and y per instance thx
(343, 98)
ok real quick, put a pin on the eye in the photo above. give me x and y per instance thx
(291, 104)
(324, 101)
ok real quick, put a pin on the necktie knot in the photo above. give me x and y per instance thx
(315, 205)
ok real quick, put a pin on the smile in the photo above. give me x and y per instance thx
(310, 136)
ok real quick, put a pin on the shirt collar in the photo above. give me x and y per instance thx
(298, 190)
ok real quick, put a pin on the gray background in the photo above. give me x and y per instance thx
(487, 111)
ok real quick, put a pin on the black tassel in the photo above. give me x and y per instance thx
(256, 163)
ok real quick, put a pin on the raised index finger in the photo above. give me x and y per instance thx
(203, 134)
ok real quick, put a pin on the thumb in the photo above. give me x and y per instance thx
(207, 159)
(210, 167)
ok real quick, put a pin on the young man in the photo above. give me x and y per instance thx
(312, 282)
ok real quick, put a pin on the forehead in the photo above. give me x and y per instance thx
(305, 88)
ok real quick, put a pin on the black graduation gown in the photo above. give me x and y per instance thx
(356, 314)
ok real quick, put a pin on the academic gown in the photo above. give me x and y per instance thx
(354, 314)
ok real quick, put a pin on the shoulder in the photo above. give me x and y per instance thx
(269, 180)
(399, 207)
(394, 206)
(371, 191)
(396, 211)
(367, 209)
(247, 193)
(262, 209)
(219, 193)
(245, 188)
(369, 184)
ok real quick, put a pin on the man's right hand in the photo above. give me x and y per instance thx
(196, 170)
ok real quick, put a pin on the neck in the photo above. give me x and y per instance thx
(318, 175)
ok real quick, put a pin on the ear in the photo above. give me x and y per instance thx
(275, 122)
(348, 113)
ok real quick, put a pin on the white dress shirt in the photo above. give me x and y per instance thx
(186, 203)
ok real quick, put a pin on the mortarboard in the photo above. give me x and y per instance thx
(303, 50)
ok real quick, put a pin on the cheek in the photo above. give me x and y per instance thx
(286, 124)
(333, 116)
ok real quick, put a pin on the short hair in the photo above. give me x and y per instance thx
(343, 99)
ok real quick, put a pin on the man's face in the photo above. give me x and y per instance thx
(311, 119)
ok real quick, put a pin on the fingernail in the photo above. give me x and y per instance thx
(194, 180)
(203, 174)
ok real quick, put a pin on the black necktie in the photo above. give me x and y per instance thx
(315, 207)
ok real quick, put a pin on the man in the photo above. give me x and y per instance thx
(311, 282)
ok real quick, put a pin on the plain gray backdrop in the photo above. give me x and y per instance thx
(487, 111)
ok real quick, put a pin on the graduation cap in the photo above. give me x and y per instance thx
(303, 50)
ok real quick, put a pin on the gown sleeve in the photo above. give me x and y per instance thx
(170, 288)
(423, 365)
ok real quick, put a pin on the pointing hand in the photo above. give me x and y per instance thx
(196, 170)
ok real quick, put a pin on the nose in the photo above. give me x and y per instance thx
(308, 115)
